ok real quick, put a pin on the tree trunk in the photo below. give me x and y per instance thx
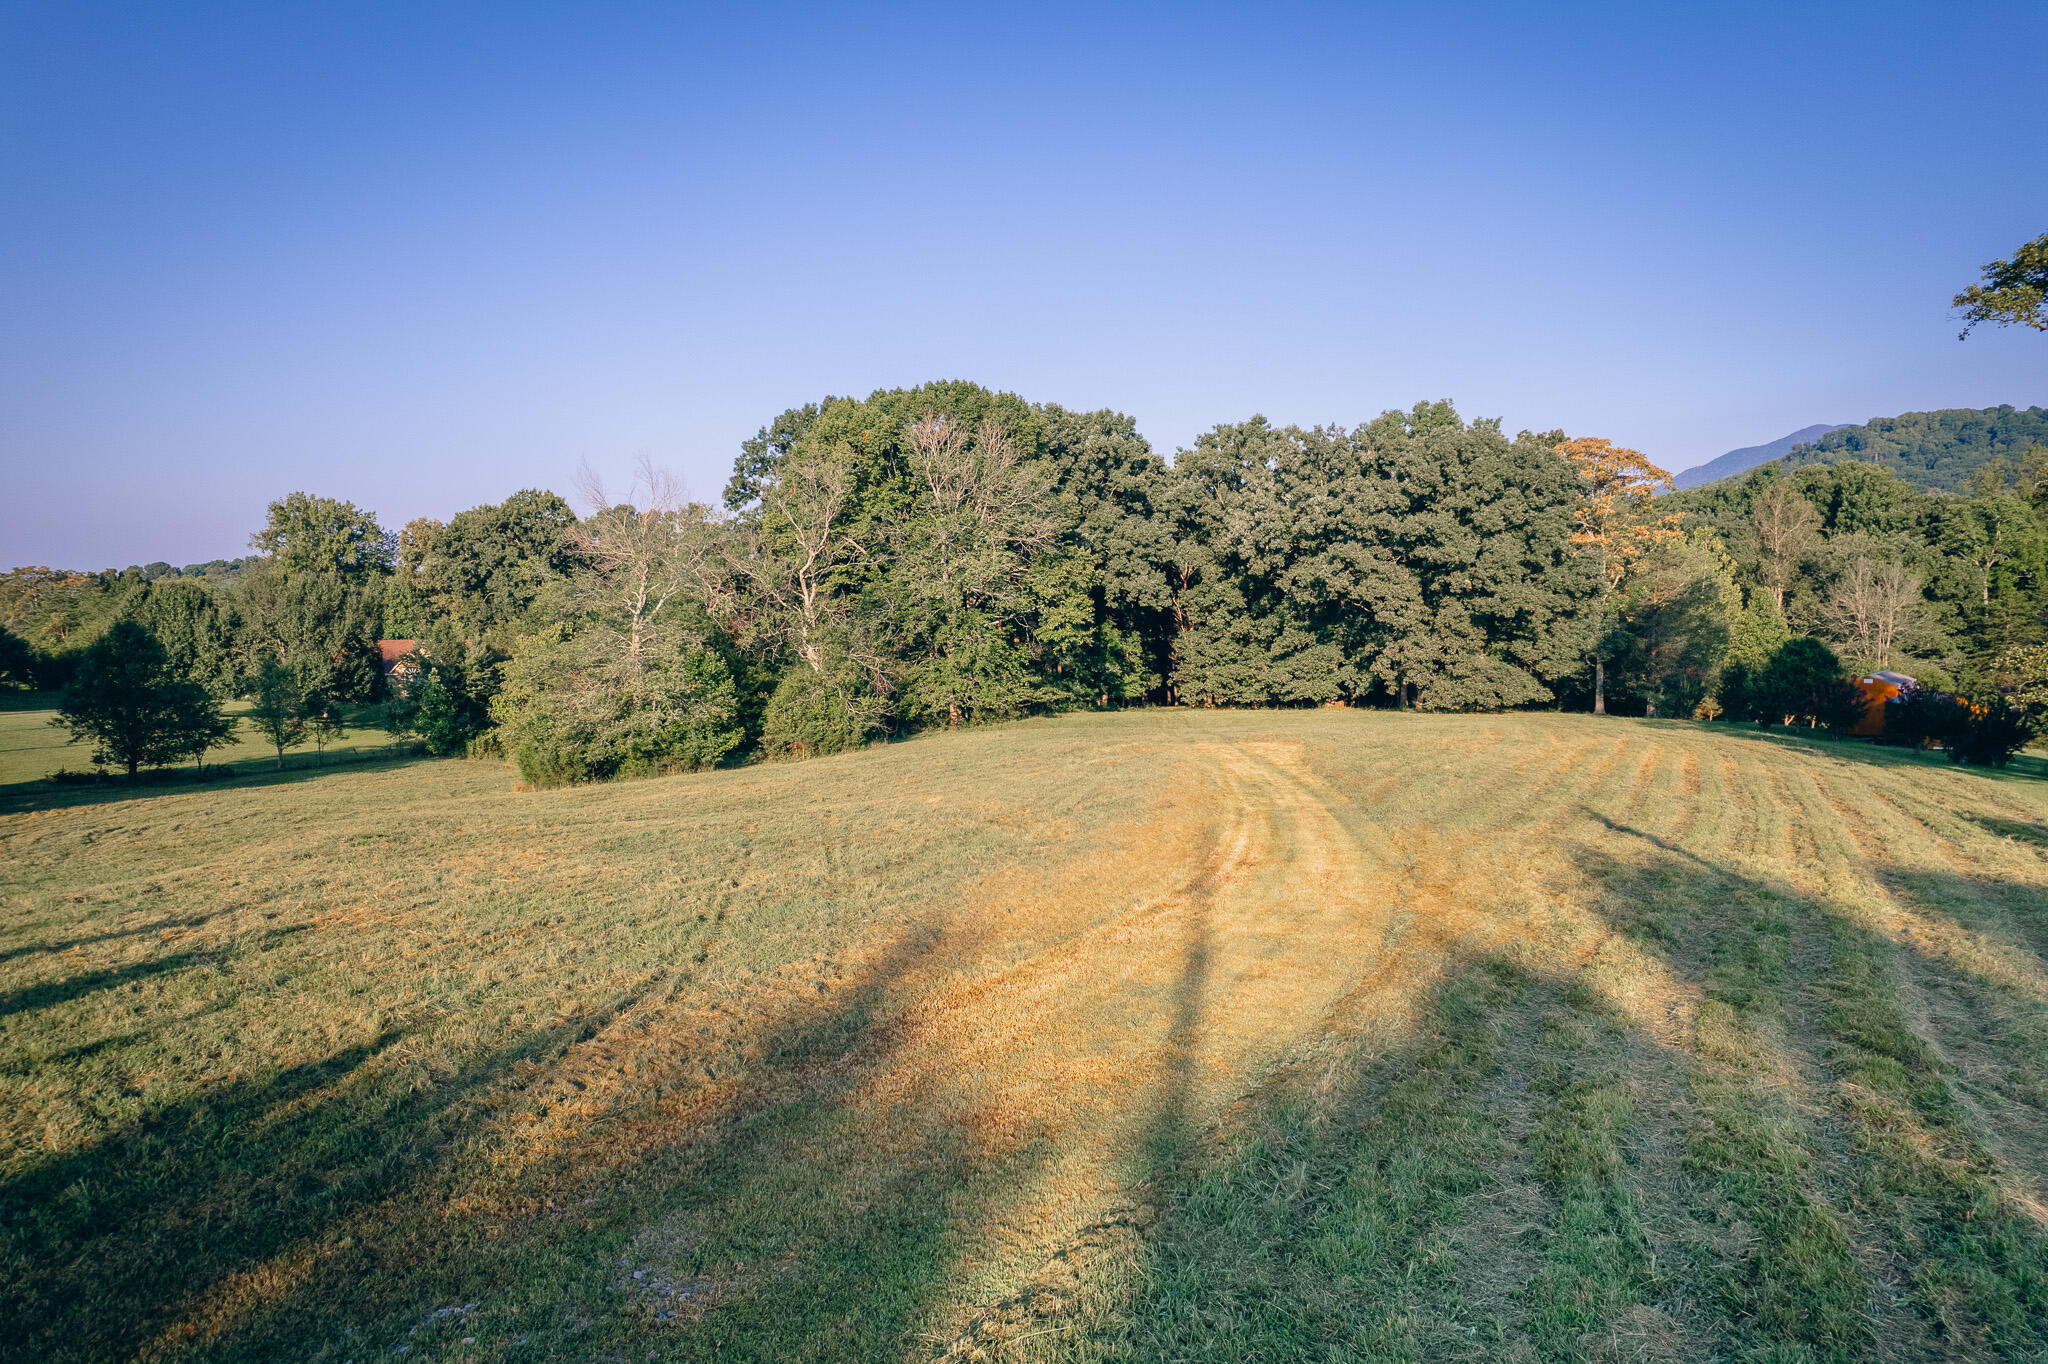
(133, 765)
(1599, 687)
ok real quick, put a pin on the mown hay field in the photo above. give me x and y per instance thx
(1172, 1035)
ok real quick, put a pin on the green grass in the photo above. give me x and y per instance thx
(32, 748)
(1172, 1035)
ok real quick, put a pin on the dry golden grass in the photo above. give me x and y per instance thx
(1320, 1034)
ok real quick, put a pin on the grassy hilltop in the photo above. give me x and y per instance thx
(1162, 1035)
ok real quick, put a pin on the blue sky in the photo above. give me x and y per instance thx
(419, 256)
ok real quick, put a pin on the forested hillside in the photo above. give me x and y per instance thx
(1939, 451)
(1749, 456)
(948, 555)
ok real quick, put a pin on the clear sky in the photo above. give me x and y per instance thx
(419, 256)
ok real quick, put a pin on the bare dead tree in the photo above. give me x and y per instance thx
(632, 550)
(1787, 531)
(793, 549)
(986, 509)
(1871, 604)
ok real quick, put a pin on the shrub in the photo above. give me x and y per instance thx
(1839, 706)
(807, 717)
(1925, 717)
(1801, 681)
(1991, 735)
(572, 712)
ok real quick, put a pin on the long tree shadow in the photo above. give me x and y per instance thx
(2029, 832)
(46, 993)
(25, 797)
(2024, 768)
(1316, 1228)
(1928, 1177)
(351, 1203)
(154, 926)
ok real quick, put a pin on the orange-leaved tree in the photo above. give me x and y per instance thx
(1616, 526)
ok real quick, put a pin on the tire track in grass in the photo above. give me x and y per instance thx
(1278, 940)
(1314, 854)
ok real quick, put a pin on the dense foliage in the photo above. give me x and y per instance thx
(948, 555)
(128, 700)
(1945, 451)
(2012, 292)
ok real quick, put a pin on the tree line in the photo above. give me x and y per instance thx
(949, 555)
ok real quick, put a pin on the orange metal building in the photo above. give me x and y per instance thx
(1878, 690)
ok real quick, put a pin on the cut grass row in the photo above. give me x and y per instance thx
(1138, 1037)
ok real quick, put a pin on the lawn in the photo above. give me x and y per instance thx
(1164, 1035)
(31, 747)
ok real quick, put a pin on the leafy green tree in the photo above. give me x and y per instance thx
(628, 675)
(197, 628)
(305, 534)
(2012, 292)
(1754, 635)
(17, 661)
(481, 571)
(452, 693)
(762, 456)
(959, 576)
(1617, 525)
(322, 626)
(2023, 677)
(1855, 498)
(1803, 680)
(59, 613)
(129, 701)
(279, 709)
(1103, 618)
(1416, 558)
(1670, 626)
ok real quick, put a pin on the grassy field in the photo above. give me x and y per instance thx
(31, 748)
(1244, 1036)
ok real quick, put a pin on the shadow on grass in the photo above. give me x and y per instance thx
(788, 1205)
(155, 926)
(46, 993)
(335, 1209)
(1319, 1230)
(2018, 830)
(240, 1193)
(2024, 767)
(21, 797)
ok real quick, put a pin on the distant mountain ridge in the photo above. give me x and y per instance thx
(1937, 451)
(1749, 456)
